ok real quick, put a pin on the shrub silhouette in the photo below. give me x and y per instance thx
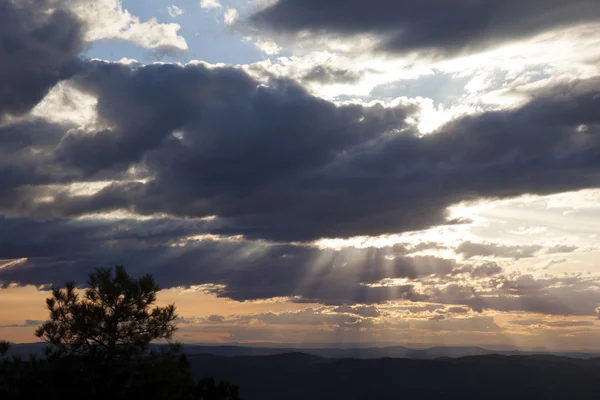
(100, 347)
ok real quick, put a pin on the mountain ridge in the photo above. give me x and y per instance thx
(395, 351)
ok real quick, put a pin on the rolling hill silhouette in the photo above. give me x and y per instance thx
(299, 376)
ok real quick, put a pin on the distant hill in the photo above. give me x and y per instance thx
(298, 376)
(372, 352)
(352, 352)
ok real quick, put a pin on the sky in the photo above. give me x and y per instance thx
(309, 172)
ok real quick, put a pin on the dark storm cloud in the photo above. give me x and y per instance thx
(275, 162)
(271, 161)
(58, 251)
(244, 270)
(38, 48)
(398, 182)
(27, 161)
(61, 250)
(145, 105)
(431, 25)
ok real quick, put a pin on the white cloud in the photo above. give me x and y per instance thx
(231, 15)
(65, 104)
(210, 4)
(106, 19)
(268, 46)
(174, 11)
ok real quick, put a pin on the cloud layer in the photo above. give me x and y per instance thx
(275, 162)
(53, 252)
(435, 26)
(205, 175)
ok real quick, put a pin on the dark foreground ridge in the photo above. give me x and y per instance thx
(301, 376)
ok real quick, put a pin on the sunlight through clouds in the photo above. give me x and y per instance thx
(308, 174)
